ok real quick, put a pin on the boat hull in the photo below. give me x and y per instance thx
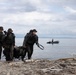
(54, 42)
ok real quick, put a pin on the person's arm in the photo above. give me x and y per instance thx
(13, 39)
(36, 37)
(1, 38)
(39, 45)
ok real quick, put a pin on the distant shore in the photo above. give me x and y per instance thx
(66, 66)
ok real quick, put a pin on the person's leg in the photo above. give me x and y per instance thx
(0, 51)
(11, 52)
(23, 54)
(30, 51)
(7, 50)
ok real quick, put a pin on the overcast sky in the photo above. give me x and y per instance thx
(49, 17)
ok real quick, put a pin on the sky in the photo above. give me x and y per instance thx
(48, 17)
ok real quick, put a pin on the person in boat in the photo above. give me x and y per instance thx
(52, 40)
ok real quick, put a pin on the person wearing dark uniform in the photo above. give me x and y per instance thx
(9, 43)
(29, 40)
(1, 37)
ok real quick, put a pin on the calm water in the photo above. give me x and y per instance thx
(66, 48)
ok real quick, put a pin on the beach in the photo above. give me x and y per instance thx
(57, 59)
(65, 66)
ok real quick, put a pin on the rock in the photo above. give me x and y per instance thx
(73, 64)
(39, 67)
(49, 69)
(8, 73)
(63, 65)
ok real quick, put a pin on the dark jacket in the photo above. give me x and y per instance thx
(1, 38)
(9, 39)
(30, 39)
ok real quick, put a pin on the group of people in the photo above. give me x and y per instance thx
(7, 41)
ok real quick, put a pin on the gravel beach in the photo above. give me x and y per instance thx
(66, 66)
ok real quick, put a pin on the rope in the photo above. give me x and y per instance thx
(41, 47)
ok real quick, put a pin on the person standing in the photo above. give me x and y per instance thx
(29, 40)
(1, 38)
(9, 43)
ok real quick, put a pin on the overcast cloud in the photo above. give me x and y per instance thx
(49, 17)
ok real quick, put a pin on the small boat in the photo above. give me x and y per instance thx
(53, 42)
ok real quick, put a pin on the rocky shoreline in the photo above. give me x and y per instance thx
(65, 66)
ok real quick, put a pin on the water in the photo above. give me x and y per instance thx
(66, 48)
